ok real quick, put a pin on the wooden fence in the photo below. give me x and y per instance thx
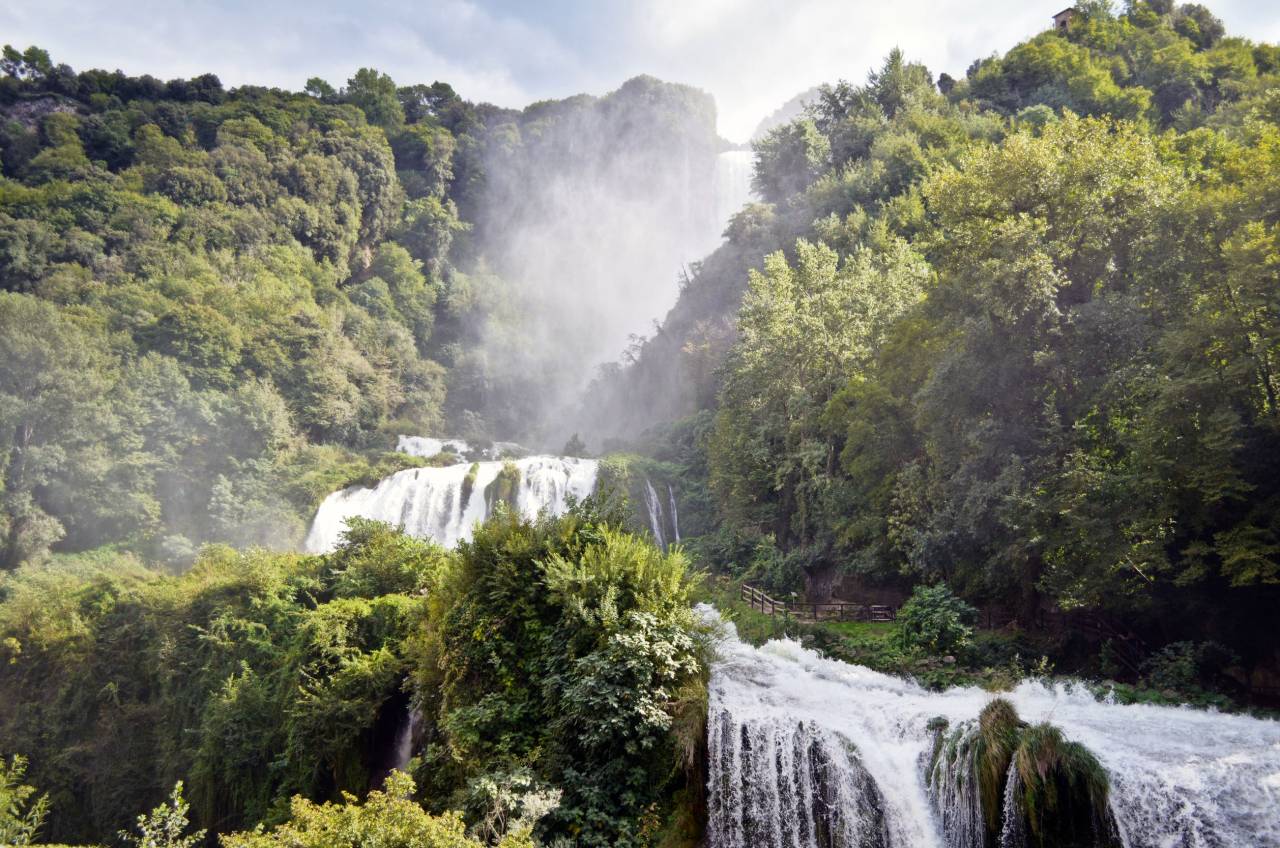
(828, 611)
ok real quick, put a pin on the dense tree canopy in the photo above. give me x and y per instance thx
(1016, 333)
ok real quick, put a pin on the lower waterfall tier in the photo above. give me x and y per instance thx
(810, 752)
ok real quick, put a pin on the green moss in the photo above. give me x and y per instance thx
(504, 488)
(1063, 791)
(998, 729)
(469, 482)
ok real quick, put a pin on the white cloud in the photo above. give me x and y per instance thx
(751, 54)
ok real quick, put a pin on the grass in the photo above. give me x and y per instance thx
(883, 630)
(994, 663)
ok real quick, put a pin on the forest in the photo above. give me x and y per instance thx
(1005, 344)
(1015, 332)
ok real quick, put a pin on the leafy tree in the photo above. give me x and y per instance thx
(54, 402)
(788, 159)
(374, 94)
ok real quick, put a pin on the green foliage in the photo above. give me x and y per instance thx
(565, 649)
(251, 676)
(1060, 791)
(165, 826)
(21, 817)
(387, 818)
(1188, 668)
(1063, 791)
(187, 263)
(935, 620)
(1019, 340)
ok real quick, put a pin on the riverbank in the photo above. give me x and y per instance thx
(997, 660)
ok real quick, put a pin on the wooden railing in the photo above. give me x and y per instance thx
(757, 599)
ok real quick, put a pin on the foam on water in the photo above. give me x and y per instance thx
(1180, 777)
(438, 504)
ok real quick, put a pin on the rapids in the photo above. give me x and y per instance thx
(809, 752)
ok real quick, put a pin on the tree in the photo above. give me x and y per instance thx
(54, 400)
(788, 159)
(32, 64)
(320, 90)
(375, 94)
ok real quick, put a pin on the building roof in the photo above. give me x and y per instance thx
(1070, 10)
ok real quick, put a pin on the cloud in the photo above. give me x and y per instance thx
(751, 54)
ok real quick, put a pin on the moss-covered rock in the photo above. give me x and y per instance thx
(505, 487)
(469, 483)
(998, 781)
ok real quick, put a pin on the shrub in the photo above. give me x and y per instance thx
(20, 817)
(387, 818)
(935, 620)
(1187, 667)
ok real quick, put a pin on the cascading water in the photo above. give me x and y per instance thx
(664, 521)
(445, 503)
(675, 514)
(1180, 778)
(656, 518)
(405, 734)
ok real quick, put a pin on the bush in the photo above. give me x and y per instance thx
(1187, 667)
(935, 620)
(387, 818)
(20, 816)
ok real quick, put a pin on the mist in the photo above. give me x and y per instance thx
(593, 210)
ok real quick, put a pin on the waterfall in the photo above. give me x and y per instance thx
(782, 784)
(445, 503)
(427, 447)
(1179, 776)
(1013, 830)
(954, 792)
(732, 185)
(405, 734)
(675, 514)
(656, 519)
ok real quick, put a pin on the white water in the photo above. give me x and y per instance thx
(405, 734)
(665, 527)
(732, 185)
(1180, 778)
(427, 447)
(429, 503)
(675, 513)
(656, 518)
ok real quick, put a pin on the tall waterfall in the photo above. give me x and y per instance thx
(808, 752)
(675, 514)
(656, 518)
(664, 521)
(445, 503)
(732, 185)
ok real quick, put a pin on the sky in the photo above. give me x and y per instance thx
(752, 55)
